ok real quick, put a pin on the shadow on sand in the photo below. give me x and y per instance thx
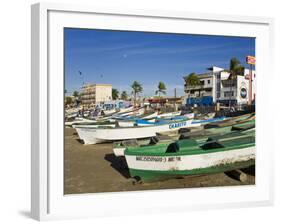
(248, 170)
(119, 164)
(251, 170)
(80, 141)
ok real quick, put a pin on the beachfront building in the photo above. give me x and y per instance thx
(94, 94)
(216, 85)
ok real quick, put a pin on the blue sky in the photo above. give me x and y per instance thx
(120, 57)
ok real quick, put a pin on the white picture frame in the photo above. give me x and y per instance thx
(48, 201)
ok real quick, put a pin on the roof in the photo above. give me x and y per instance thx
(93, 85)
(215, 69)
(203, 75)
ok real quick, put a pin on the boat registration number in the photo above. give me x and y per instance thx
(177, 125)
(158, 159)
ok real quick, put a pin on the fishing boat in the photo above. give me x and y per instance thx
(188, 157)
(120, 147)
(206, 132)
(80, 120)
(170, 114)
(133, 112)
(124, 110)
(132, 121)
(97, 135)
(135, 122)
(96, 125)
(231, 121)
(199, 136)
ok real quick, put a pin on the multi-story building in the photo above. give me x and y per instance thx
(93, 94)
(218, 86)
(204, 89)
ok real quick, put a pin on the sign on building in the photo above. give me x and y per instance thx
(251, 60)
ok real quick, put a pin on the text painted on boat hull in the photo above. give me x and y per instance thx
(177, 125)
(158, 159)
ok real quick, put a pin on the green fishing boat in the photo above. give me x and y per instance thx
(188, 157)
(200, 136)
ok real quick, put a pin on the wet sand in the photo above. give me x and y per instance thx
(94, 168)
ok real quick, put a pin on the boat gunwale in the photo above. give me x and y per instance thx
(193, 150)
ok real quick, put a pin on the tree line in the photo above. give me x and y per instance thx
(136, 86)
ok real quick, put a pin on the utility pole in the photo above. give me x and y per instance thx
(250, 84)
(251, 60)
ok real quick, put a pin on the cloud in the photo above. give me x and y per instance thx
(95, 48)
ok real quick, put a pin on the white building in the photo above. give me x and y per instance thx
(93, 94)
(218, 84)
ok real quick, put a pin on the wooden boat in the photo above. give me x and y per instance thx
(188, 157)
(135, 122)
(117, 110)
(195, 132)
(133, 112)
(231, 121)
(96, 125)
(124, 110)
(200, 136)
(132, 121)
(120, 147)
(80, 120)
(171, 114)
(195, 123)
(125, 122)
(96, 135)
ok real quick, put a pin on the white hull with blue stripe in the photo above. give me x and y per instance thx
(97, 135)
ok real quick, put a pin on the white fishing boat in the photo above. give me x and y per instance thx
(190, 115)
(136, 112)
(112, 125)
(97, 135)
(79, 120)
(151, 115)
(171, 114)
(133, 121)
(123, 110)
(108, 112)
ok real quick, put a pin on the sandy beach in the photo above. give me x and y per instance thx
(94, 168)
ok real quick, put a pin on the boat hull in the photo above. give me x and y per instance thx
(171, 114)
(153, 168)
(151, 176)
(93, 135)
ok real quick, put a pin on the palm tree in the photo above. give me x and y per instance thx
(115, 94)
(161, 88)
(137, 88)
(75, 94)
(124, 95)
(235, 68)
(193, 80)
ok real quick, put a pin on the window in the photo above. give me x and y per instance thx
(228, 93)
(209, 81)
(202, 82)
